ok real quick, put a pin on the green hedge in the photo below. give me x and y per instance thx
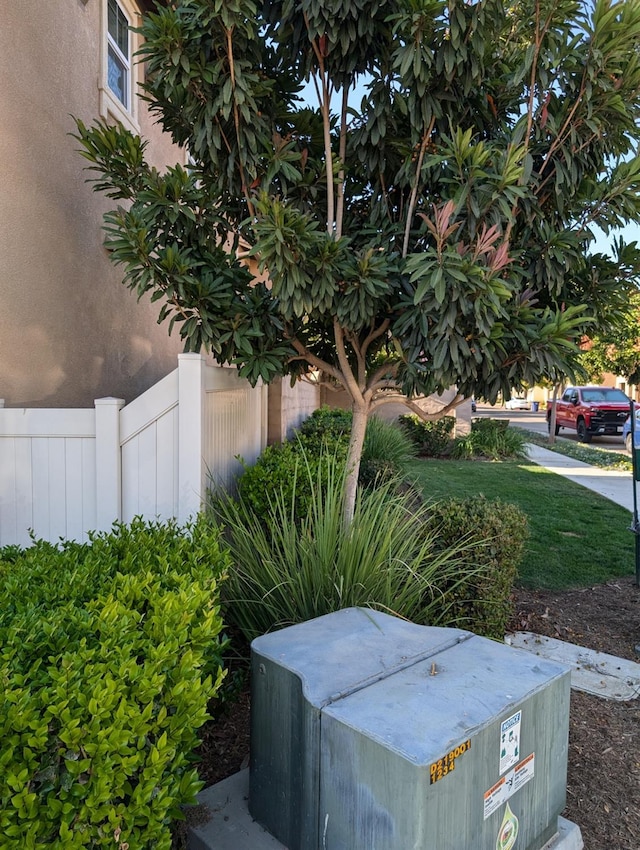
(431, 439)
(110, 652)
(498, 532)
(290, 470)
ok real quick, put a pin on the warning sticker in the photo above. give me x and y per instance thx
(508, 785)
(510, 742)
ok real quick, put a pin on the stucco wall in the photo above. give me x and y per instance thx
(70, 331)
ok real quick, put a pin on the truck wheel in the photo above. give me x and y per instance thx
(583, 435)
(549, 426)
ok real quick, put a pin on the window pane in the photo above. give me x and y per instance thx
(119, 27)
(117, 77)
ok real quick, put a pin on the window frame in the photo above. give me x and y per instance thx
(111, 107)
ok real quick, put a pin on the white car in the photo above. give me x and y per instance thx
(518, 403)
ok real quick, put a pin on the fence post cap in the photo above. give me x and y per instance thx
(109, 400)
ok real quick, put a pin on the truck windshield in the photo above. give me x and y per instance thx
(605, 394)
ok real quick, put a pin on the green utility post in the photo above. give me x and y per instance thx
(635, 457)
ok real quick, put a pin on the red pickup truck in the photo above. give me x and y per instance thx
(591, 411)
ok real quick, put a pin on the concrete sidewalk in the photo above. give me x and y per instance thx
(614, 485)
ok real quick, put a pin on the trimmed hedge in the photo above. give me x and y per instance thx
(498, 530)
(290, 470)
(431, 439)
(110, 652)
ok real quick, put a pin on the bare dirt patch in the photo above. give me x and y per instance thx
(603, 788)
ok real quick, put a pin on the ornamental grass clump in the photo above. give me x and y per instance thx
(110, 653)
(491, 439)
(293, 569)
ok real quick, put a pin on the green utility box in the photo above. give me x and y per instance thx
(371, 733)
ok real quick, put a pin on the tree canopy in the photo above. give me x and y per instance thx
(616, 348)
(433, 232)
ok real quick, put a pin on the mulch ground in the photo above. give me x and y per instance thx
(603, 789)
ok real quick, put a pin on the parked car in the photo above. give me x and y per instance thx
(518, 403)
(590, 411)
(626, 433)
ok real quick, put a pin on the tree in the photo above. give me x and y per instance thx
(616, 348)
(434, 234)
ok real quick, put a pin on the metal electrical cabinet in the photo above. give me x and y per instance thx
(371, 733)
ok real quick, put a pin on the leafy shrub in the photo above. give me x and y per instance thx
(110, 652)
(292, 468)
(387, 558)
(495, 534)
(326, 422)
(375, 472)
(288, 468)
(431, 439)
(491, 438)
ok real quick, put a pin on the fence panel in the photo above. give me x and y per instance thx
(64, 473)
(150, 469)
(234, 426)
(47, 474)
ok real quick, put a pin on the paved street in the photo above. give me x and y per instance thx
(538, 422)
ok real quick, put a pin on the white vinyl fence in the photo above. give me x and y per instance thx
(64, 473)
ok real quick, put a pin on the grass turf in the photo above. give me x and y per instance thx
(576, 537)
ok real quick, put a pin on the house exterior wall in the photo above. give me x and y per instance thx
(70, 332)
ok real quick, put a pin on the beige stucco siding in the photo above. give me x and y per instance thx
(70, 332)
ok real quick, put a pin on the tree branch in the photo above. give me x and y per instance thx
(316, 361)
(414, 190)
(325, 103)
(236, 120)
(342, 154)
(375, 334)
(415, 408)
(380, 378)
(348, 378)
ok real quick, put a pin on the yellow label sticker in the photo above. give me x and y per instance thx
(439, 769)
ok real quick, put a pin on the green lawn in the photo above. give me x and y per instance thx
(577, 538)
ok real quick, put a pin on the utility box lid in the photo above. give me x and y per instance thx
(371, 733)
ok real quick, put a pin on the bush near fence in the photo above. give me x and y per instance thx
(110, 653)
(291, 470)
(431, 439)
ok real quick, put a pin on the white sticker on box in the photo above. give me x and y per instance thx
(510, 742)
(508, 785)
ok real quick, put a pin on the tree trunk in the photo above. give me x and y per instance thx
(360, 416)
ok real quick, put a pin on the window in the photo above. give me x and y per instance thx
(120, 72)
(118, 54)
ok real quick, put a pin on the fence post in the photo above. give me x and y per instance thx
(191, 396)
(108, 462)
